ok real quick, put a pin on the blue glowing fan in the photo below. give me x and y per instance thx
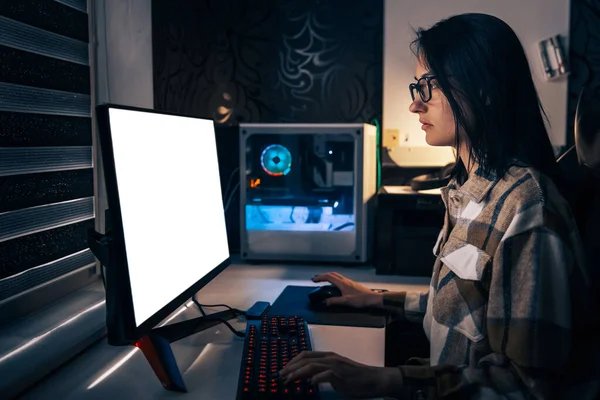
(276, 160)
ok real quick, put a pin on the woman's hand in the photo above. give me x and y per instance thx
(353, 294)
(347, 377)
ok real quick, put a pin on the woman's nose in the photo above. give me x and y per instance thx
(416, 106)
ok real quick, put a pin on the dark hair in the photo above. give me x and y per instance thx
(481, 67)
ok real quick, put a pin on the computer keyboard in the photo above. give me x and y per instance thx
(269, 345)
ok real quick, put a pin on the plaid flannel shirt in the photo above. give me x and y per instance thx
(507, 312)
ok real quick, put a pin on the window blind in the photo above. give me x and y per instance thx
(46, 171)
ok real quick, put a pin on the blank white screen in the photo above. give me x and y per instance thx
(170, 196)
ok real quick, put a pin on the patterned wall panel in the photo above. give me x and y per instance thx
(269, 61)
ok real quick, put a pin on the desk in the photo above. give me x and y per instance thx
(210, 360)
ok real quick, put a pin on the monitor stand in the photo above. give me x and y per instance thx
(156, 345)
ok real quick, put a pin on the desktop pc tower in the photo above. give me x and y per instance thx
(307, 191)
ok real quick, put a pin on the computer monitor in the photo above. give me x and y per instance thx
(168, 223)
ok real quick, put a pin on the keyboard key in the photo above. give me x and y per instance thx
(269, 345)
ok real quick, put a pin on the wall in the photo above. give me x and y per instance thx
(121, 68)
(123, 40)
(267, 61)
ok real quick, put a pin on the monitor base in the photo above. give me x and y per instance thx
(156, 345)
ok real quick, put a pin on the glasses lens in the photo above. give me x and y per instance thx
(424, 90)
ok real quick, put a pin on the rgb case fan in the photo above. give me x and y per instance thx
(276, 160)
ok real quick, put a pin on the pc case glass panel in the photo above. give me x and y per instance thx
(300, 182)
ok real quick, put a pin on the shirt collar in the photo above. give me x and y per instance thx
(477, 187)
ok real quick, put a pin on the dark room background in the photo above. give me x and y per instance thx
(584, 54)
(297, 61)
(267, 61)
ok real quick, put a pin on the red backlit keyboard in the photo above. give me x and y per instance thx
(269, 345)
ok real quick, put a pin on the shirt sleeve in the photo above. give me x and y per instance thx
(528, 327)
(409, 306)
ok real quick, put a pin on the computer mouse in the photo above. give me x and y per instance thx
(321, 293)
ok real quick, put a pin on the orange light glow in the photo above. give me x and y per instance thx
(254, 182)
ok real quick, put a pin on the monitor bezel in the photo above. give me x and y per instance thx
(118, 235)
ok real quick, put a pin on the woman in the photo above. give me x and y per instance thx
(507, 301)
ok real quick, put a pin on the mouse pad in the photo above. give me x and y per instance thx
(294, 301)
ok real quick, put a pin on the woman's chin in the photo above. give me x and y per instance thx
(435, 140)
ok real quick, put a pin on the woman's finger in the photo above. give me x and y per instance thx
(326, 376)
(338, 276)
(321, 277)
(327, 277)
(306, 355)
(329, 359)
(307, 371)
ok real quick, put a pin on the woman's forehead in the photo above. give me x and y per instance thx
(420, 70)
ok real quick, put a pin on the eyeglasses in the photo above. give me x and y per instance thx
(423, 87)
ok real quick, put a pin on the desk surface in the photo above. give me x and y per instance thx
(210, 360)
